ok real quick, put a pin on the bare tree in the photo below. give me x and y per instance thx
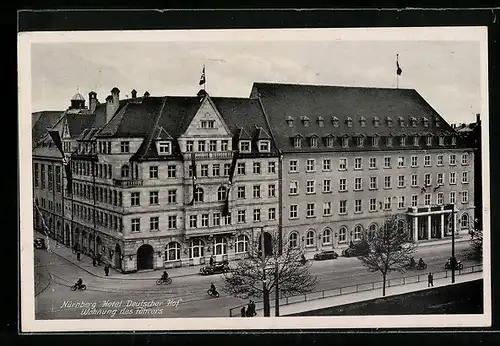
(279, 268)
(476, 241)
(390, 248)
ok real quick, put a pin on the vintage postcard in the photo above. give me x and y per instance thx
(254, 179)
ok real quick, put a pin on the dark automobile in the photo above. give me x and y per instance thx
(325, 255)
(357, 249)
(216, 268)
(39, 243)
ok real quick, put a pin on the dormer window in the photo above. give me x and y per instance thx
(305, 120)
(329, 142)
(164, 148)
(453, 140)
(349, 121)
(264, 146)
(335, 122)
(376, 122)
(438, 122)
(313, 141)
(402, 141)
(297, 142)
(321, 122)
(389, 141)
(413, 121)
(401, 122)
(416, 141)
(245, 146)
(361, 141)
(441, 140)
(345, 142)
(425, 122)
(362, 121)
(389, 121)
(375, 141)
(429, 140)
(289, 121)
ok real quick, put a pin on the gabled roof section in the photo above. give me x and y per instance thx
(160, 134)
(77, 123)
(243, 134)
(42, 122)
(262, 134)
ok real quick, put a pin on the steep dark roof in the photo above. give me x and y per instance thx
(77, 123)
(340, 106)
(42, 122)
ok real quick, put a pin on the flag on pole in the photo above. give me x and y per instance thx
(202, 78)
(67, 168)
(399, 70)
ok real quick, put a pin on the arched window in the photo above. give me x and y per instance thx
(372, 230)
(464, 221)
(342, 234)
(327, 236)
(173, 251)
(357, 232)
(241, 243)
(125, 171)
(220, 246)
(221, 193)
(293, 240)
(310, 238)
(196, 248)
(198, 195)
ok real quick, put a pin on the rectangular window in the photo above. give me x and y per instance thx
(228, 219)
(465, 177)
(414, 200)
(358, 184)
(227, 169)
(256, 168)
(401, 161)
(256, 215)
(342, 164)
(311, 165)
(387, 182)
(358, 163)
(201, 145)
(294, 187)
(172, 221)
(439, 160)
(212, 146)
(414, 161)
(125, 147)
(135, 199)
(241, 168)
(401, 202)
(241, 216)
(342, 184)
(414, 180)
(453, 197)
(465, 197)
(401, 181)
(135, 225)
(453, 178)
(271, 190)
(245, 146)
(440, 179)
(387, 162)
(241, 192)
(264, 146)
(327, 165)
(216, 169)
(465, 159)
(204, 220)
(153, 197)
(342, 207)
(373, 183)
(36, 175)
(50, 177)
(427, 160)
(310, 187)
(387, 203)
(453, 159)
(189, 146)
(204, 170)
(216, 219)
(373, 163)
(172, 196)
(193, 221)
(427, 179)
(256, 191)
(373, 204)
(153, 172)
(327, 208)
(358, 206)
(310, 209)
(271, 214)
(427, 199)
(293, 166)
(294, 211)
(154, 223)
(58, 179)
(171, 171)
(440, 198)
(271, 167)
(327, 186)
(164, 148)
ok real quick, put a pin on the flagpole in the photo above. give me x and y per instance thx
(397, 74)
(205, 76)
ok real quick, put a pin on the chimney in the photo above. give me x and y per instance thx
(463, 125)
(478, 118)
(115, 92)
(92, 101)
(146, 94)
(133, 93)
(110, 108)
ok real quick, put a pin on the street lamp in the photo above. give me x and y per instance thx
(453, 259)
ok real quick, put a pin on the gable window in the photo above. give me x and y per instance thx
(345, 142)
(335, 122)
(305, 121)
(375, 141)
(329, 142)
(297, 142)
(314, 142)
(125, 147)
(376, 122)
(389, 141)
(264, 146)
(245, 146)
(416, 141)
(289, 121)
(441, 140)
(361, 141)
(453, 140)
(349, 122)
(201, 145)
(429, 140)
(164, 148)
(402, 141)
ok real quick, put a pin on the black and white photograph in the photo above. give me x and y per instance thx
(216, 179)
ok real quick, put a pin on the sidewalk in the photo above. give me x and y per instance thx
(316, 304)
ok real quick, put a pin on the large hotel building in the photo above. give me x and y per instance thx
(160, 182)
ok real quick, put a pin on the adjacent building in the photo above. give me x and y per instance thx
(167, 181)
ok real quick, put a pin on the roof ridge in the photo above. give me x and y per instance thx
(155, 126)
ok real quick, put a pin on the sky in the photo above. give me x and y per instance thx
(445, 73)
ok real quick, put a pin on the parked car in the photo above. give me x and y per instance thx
(356, 249)
(325, 255)
(39, 243)
(216, 268)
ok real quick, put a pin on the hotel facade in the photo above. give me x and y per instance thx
(318, 165)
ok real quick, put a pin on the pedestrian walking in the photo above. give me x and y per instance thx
(78, 255)
(93, 261)
(430, 280)
(106, 269)
(471, 234)
(211, 260)
(243, 312)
